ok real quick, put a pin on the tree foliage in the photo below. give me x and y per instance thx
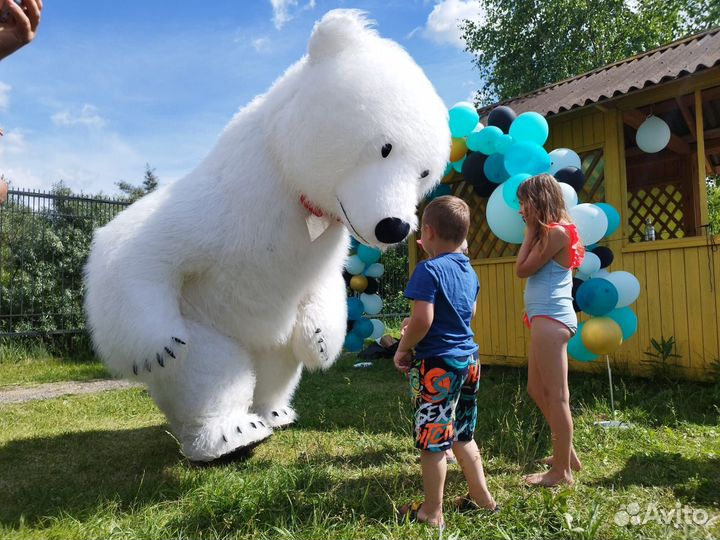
(132, 193)
(528, 44)
(713, 202)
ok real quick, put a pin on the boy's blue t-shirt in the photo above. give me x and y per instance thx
(451, 285)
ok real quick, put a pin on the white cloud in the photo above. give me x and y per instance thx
(4, 96)
(443, 21)
(261, 44)
(13, 142)
(88, 116)
(285, 10)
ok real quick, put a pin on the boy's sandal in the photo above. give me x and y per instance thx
(410, 512)
(467, 504)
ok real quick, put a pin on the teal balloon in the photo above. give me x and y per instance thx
(372, 303)
(354, 243)
(355, 308)
(486, 139)
(597, 296)
(502, 143)
(363, 328)
(378, 329)
(355, 264)
(504, 222)
(577, 350)
(526, 157)
(439, 191)
(509, 190)
(626, 319)
(353, 342)
(375, 270)
(471, 140)
(457, 165)
(368, 255)
(448, 168)
(494, 169)
(463, 119)
(613, 217)
(531, 127)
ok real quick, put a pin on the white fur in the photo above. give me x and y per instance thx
(218, 268)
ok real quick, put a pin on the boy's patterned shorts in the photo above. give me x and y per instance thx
(444, 390)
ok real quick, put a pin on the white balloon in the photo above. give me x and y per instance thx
(372, 303)
(591, 221)
(569, 194)
(582, 277)
(354, 265)
(375, 270)
(564, 157)
(602, 273)
(590, 265)
(505, 222)
(378, 329)
(627, 285)
(653, 135)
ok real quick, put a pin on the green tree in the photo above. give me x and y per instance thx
(132, 192)
(713, 202)
(528, 44)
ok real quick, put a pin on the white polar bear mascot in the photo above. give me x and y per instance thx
(217, 289)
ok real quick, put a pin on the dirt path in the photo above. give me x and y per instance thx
(53, 390)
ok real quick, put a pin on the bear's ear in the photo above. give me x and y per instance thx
(338, 30)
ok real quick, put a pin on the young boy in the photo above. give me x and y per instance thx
(445, 375)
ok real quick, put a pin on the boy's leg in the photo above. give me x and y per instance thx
(468, 455)
(434, 470)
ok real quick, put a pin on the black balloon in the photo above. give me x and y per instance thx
(572, 176)
(372, 286)
(350, 326)
(501, 117)
(347, 276)
(474, 174)
(605, 255)
(575, 286)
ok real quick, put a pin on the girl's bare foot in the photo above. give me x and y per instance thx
(549, 479)
(575, 464)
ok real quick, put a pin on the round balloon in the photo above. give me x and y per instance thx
(509, 189)
(626, 319)
(577, 350)
(439, 191)
(463, 118)
(582, 277)
(653, 135)
(627, 285)
(591, 222)
(473, 169)
(378, 329)
(597, 296)
(564, 157)
(605, 255)
(353, 342)
(505, 222)
(458, 165)
(472, 139)
(347, 276)
(501, 117)
(612, 216)
(375, 270)
(494, 168)
(601, 335)
(372, 303)
(570, 196)
(485, 140)
(458, 149)
(354, 264)
(571, 176)
(358, 283)
(355, 308)
(526, 157)
(484, 190)
(502, 143)
(368, 255)
(602, 273)
(590, 264)
(531, 127)
(575, 286)
(363, 328)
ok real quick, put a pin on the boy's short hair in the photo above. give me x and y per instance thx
(449, 216)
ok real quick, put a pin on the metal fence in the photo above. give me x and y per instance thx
(44, 243)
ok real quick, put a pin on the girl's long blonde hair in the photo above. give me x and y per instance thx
(542, 192)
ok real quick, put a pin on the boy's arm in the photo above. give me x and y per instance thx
(417, 327)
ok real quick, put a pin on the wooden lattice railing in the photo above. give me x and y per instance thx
(663, 204)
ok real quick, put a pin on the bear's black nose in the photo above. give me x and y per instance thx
(391, 230)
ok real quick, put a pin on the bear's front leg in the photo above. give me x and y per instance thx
(321, 324)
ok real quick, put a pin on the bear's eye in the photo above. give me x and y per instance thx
(385, 151)
(424, 174)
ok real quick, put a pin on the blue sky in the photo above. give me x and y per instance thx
(107, 87)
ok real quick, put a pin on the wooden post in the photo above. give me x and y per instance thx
(702, 176)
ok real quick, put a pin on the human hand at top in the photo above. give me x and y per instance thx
(19, 26)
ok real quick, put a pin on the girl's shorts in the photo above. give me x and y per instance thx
(444, 389)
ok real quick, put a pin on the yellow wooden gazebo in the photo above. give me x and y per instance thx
(596, 114)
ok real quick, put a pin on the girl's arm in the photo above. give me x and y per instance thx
(535, 257)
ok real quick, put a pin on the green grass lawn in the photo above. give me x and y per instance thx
(104, 466)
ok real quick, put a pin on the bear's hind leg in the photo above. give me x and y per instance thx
(207, 399)
(278, 374)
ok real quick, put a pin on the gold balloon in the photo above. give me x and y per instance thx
(358, 283)
(458, 149)
(601, 335)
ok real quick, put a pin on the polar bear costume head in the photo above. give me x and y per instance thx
(380, 138)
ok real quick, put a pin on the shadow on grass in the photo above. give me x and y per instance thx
(72, 473)
(696, 480)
